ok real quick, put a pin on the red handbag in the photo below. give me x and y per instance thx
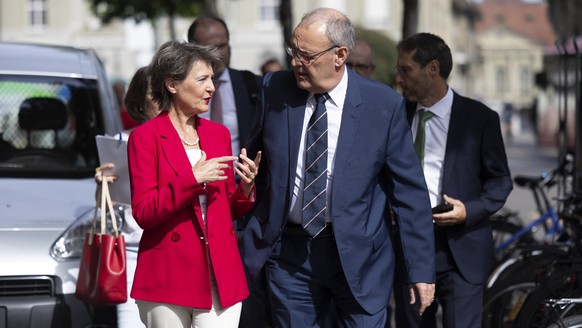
(102, 278)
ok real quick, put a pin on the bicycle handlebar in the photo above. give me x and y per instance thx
(546, 179)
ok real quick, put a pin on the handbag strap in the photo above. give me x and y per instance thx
(109, 202)
(104, 197)
(98, 196)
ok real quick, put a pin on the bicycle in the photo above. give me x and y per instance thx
(508, 231)
(515, 279)
(574, 321)
(560, 284)
(564, 307)
(520, 258)
(562, 279)
(537, 273)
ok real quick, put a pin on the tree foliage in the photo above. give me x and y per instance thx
(385, 50)
(108, 10)
(151, 10)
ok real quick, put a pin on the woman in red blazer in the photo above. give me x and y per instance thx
(184, 196)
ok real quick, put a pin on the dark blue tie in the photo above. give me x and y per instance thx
(315, 177)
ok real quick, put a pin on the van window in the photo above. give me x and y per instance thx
(48, 126)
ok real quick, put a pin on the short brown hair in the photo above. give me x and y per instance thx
(173, 61)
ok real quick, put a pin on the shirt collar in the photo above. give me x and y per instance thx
(338, 94)
(224, 77)
(442, 107)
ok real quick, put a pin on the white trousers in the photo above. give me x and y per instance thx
(163, 315)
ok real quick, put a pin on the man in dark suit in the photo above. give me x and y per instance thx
(342, 253)
(464, 165)
(237, 89)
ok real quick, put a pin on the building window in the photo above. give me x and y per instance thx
(37, 14)
(269, 12)
(501, 81)
(525, 80)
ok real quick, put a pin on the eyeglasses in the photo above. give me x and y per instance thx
(402, 70)
(304, 58)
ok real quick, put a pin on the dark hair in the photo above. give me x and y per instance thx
(173, 61)
(204, 20)
(428, 47)
(269, 62)
(135, 97)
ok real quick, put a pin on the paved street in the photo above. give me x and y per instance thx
(527, 159)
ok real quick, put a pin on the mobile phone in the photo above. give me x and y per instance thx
(442, 208)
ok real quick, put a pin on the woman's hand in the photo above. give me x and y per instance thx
(248, 169)
(212, 170)
(102, 169)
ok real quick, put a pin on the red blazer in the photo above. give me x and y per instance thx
(174, 251)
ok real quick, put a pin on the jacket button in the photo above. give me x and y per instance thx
(232, 230)
(175, 237)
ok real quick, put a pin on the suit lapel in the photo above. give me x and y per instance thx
(175, 155)
(295, 115)
(244, 109)
(351, 114)
(454, 135)
(171, 143)
(410, 111)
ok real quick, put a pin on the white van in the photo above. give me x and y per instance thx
(53, 101)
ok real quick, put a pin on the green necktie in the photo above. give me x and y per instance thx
(423, 116)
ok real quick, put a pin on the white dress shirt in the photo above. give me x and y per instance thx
(436, 130)
(334, 106)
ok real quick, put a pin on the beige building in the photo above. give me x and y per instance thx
(255, 30)
(256, 33)
(511, 36)
(66, 22)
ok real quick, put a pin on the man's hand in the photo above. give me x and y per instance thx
(458, 215)
(426, 294)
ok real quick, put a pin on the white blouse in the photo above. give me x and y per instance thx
(194, 156)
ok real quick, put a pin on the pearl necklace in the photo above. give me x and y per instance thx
(186, 143)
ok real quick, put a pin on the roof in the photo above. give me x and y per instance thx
(47, 60)
(527, 19)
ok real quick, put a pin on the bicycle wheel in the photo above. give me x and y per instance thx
(535, 313)
(504, 304)
(530, 262)
(504, 298)
(574, 321)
